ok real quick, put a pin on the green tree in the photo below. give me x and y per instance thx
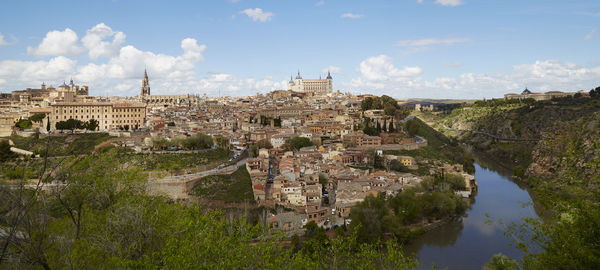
(367, 219)
(456, 181)
(264, 144)
(299, 142)
(24, 124)
(38, 117)
(571, 242)
(390, 109)
(253, 150)
(5, 152)
(366, 104)
(501, 262)
(519, 171)
(323, 180)
(396, 165)
(412, 126)
(92, 125)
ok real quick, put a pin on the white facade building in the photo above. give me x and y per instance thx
(312, 86)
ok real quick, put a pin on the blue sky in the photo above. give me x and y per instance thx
(412, 48)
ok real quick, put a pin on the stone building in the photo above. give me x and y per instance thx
(542, 96)
(312, 86)
(186, 100)
(109, 115)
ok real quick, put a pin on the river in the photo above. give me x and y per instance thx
(470, 243)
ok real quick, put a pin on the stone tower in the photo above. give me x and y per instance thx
(145, 85)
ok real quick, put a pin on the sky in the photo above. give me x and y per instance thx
(403, 48)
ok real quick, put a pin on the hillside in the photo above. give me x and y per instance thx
(557, 142)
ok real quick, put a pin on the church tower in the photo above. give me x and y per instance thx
(145, 85)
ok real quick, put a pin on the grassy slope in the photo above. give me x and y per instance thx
(235, 187)
(61, 145)
(439, 147)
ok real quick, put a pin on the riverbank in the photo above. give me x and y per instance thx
(469, 242)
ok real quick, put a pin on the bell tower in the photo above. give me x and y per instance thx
(145, 85)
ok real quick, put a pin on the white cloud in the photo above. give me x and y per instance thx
(450, 3)
(590, 35)
(452, 64)
(380, 68)
(30, 72)
(3, 41)
(130, 61)
(121, 73)
(320, 3)
(57, 43)
(332, 69)
(431, 41)
(352, 16)
(97, 41)
(378, 75)
(258, 15)
(420, 1)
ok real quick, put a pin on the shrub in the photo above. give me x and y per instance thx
(519, 171)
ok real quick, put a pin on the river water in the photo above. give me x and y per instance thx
(470, 243)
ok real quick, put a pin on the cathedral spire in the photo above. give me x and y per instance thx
(145, 91)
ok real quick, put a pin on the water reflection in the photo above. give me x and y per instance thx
(443, 236)
(470, 243)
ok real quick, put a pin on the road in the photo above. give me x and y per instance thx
(217, 170)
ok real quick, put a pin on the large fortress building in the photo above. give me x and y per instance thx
(312, 86)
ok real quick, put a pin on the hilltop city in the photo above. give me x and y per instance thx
(306, 161)
(306, 148)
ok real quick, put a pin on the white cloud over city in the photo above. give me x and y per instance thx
(102, 59)
(116, 69)
(3, 41)
(258, 15)
(351, 16)
(450, 3)
(431, 41)
(332, 69)
(379, 75)
(56, 43)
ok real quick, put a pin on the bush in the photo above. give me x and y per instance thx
(396, 165)
(412, 126)
(198, 141)
(24, 124)
(38, 117)
(299, 142)
(501, 262)
(519, 171)
(264, 144)
(5, 152)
